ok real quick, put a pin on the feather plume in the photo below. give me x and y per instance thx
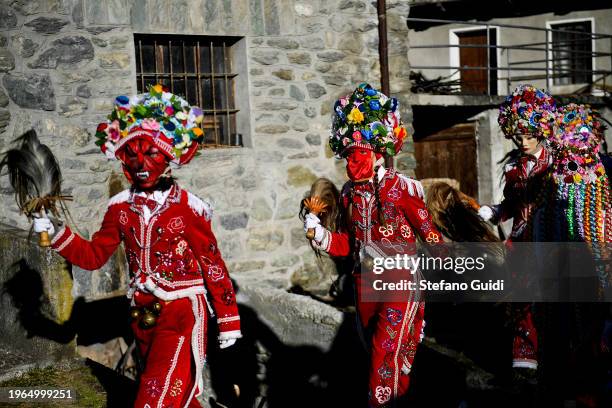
(34, 175)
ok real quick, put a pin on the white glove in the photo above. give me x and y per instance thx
(226, 343)
(486, 213)
(42, 224)
(312, 221)
(422, 334)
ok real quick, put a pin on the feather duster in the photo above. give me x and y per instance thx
(36, 178)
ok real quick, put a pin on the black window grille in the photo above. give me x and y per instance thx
(572, 53)
(200, 69)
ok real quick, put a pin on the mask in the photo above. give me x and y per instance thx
(143, 163)
(360, 164)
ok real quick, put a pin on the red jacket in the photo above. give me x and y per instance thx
(174, 255)
(404, 212)
(525, 180)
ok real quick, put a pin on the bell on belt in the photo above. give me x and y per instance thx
(134, 313)
(156, 307)
(148, 320)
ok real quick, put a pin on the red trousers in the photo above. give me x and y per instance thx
(525, 343)
(395, 328)
(173, 364)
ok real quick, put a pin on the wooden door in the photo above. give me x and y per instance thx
(450, 153)
(476, 81)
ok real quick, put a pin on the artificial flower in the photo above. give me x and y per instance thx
(356, 116)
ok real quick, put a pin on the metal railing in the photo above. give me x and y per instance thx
(547, 61)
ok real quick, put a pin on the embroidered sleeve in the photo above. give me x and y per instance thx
(337, 243)
(216, 277)
(420, 219)
(92, 254)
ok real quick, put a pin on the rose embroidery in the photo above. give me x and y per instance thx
(123, 218)
(383, 394)
(422, 213)
(215, 273)
(176, 224)
(394, 316)
(394, 194)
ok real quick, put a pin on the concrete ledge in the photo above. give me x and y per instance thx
(297, 320)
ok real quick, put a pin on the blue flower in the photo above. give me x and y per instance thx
(169, 126)
(393, 104)
(375, 105)
(370, 91)
(339, 112)
(367, 134)
(534, 119)
(122, 100)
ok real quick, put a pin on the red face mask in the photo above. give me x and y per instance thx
(143, 163)
(360, 164)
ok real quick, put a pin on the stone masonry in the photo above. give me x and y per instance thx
(63, 61)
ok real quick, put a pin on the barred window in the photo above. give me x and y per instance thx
(572, 52)
(200, 69)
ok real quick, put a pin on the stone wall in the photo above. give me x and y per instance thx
(62, 62)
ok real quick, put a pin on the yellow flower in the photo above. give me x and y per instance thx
(577, 178)
(355, 116)
(158, 88)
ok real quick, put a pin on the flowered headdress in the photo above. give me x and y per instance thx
(165, 118)
(576, 141)
(581, 200)
(527, 110)
(368, 119)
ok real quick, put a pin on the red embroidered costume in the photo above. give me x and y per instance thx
(173, 257)
(526, 115)
(396, 323)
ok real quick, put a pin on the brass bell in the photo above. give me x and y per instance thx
(134, 313)
(148, 319)
(156, 307)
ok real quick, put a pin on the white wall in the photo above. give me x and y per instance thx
(602, 24)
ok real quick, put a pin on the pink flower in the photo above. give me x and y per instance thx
(113, 131)
(169, 110)
(357, 136)
(150, 124)
(343, 102)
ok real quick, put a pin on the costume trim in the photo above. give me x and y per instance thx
(228, 319)
(58, 236)
(119, 198)
(66, 242)
(150, 286)
(408, 320)
(228, 335)
(201, 207)
(197, 345)
(527, 363)
(170, 371)
(414, 187)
